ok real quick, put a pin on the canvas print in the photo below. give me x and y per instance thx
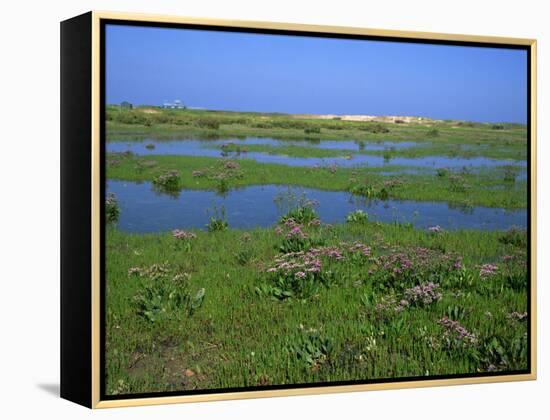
(289, 210)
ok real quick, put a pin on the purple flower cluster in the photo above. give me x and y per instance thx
(110, 200)
(154, 271)
(435, 229)
(455, 330)
(315, 222)
(392, 183)
(457, 265)
(181, 234)
(517, 316)
(168, 180)
(415, 262)
(296, 233)
(331, 252)
(424, 293)
(358, 247)
(294, 263)
(396, 263)
(487, 270)
(232, 165)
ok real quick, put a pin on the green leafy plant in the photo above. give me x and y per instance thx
(514, 236)
(166, 298)
(301, 215)
(112, 211)
(358, 217)
(310, 347)
(218, 222)
(168, 181)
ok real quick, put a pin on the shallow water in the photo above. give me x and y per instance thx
(210, 148)
(145, 210)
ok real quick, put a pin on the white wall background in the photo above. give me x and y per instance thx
(29, 210)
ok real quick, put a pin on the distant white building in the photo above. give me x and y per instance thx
(176, 104)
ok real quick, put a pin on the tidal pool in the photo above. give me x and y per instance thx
(145, 210)
(211, 148)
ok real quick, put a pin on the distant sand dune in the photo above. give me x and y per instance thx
(397, 119)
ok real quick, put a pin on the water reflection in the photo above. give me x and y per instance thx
(144, 209)
(213, 148)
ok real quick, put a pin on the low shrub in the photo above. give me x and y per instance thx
(169, 181)
(112, 211)
(358, 217)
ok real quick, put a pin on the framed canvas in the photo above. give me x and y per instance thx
(256, 209)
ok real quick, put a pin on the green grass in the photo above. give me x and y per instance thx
(425, 150)
(203, 310)
(486, 188)
(450, 138)
(241, 334)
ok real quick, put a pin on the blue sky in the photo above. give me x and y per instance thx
(275, 73)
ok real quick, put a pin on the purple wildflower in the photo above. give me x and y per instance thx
(296, 232)
(231, 164)
(487, 270)
(435, 229)
(181, 234)
(517, 316)
(453, 328)
(424, 293)
(314, 222)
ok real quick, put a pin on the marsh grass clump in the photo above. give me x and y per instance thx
(456, 336)
(295, 275)
(183, 239)
(360, 144)
(510, 173)
(142, 165)
(434, 132)
(218, 221)
(499, 354)
(228, 148)
(442, 172)
(457, 183)
(300, 209)
(294, 239)
(312, 130)
(208, 123)
(514, 236)
(222, 173)
(217, 225)
(164, 294)
(405, 268)
(168, 181)
(112, 211)
(374, 190)
(374, 127)
(301, 215)
(310, 347)
(358, 217)
(387, 155)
